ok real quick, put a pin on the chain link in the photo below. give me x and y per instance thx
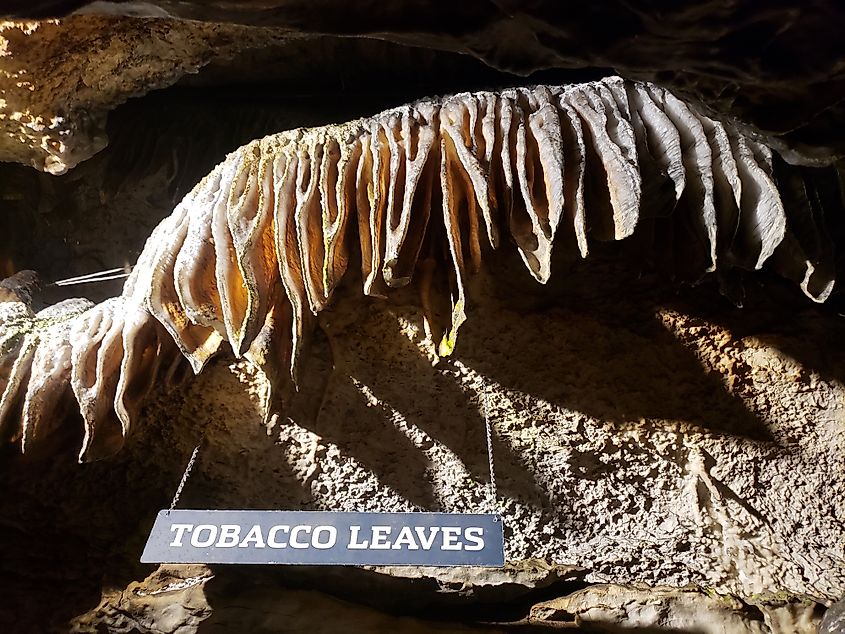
(185, 476)
(493, 494)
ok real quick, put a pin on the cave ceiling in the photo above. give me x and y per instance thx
(776, 67)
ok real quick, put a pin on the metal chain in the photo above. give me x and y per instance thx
(489, 435)
(494, 506)
(493, 495)
(185, 475)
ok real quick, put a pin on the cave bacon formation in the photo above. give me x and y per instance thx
(255, 250)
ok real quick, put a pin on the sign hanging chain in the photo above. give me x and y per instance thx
(185, 476)
(489, 433)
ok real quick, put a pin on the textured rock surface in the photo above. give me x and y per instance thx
(606, 608)
(592, 472)
(776, 66)
(192, 598)
(644, 438)
(180, 599)
(60, 79)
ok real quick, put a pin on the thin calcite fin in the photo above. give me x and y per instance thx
(451, 220)
(622, 183)
(807, 254)
(96, 352)
(271, 351)
(337, 192)
(574, 166)
(49, 383)
(250, 216)
(143, 340)
(309, 223)
(454, 113)
(198, 343)
(287, 251)
(408, 217)
(230, 282)
(194, 272)
(727, 186)
(374, 174)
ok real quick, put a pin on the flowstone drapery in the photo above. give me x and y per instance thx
(418, 194)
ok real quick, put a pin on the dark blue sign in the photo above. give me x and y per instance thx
(326, 538)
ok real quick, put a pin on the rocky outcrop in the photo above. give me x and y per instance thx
(189, 599)
(60, 79)
(608, 608)
(257, 248)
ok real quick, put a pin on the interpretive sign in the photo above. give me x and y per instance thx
(326, 538)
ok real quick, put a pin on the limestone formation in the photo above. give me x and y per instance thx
(53, 107)
(75, 348)
(607, 607)
(415, 194)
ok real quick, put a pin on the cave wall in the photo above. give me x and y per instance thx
(644, 437)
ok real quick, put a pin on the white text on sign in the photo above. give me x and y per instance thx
(326, 538)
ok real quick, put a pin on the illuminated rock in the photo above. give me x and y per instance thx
(257, 248)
